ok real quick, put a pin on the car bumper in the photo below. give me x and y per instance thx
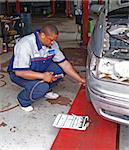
(109, 104)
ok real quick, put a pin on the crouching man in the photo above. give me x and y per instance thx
(35, 65)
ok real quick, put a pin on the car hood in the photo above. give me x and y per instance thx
(116, 4)
(111, 30)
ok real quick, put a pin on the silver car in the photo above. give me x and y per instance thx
(108, 63)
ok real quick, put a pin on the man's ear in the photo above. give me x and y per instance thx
(42, 35)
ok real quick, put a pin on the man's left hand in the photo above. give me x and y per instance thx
(83, 82)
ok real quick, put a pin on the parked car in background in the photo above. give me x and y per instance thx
(108, 63)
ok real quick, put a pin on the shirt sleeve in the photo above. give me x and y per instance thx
(59, 56)
(22, 59)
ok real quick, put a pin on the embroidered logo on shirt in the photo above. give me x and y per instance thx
(51, 52)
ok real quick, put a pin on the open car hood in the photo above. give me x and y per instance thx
(113, 33)
(116, 4)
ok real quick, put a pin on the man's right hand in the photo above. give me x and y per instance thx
(48, 77)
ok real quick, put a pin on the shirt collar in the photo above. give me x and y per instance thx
(37, 40)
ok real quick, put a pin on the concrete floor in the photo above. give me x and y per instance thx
(34, 131)
(31, 131)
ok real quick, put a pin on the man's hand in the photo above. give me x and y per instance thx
(83, 82)
(48, 77)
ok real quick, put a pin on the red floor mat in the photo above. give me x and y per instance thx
(100, 135)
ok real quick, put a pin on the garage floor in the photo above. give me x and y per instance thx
(34, 130)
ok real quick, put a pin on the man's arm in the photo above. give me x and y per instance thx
(32, 75)
(68, 69)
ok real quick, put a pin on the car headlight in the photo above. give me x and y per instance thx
(107, 68)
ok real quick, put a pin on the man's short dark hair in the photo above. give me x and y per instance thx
(48, 28)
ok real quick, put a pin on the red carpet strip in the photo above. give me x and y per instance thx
(100, 135)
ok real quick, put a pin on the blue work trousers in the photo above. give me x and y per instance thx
(34, 89)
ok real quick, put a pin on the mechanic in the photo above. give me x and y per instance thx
(37, 65)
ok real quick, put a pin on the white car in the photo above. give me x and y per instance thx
(108, 63)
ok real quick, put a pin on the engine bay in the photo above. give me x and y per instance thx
(116, 38)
